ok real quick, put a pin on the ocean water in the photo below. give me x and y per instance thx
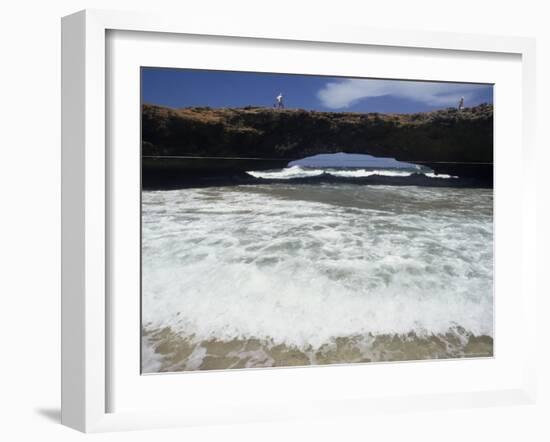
(295, 172)
(300, 274)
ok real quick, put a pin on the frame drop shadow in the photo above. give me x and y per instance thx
(51, 414)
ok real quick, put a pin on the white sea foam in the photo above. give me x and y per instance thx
(304, 172)
(440, 175)
(261, 262)
(358, 173)
(287, 173)
(151, 361)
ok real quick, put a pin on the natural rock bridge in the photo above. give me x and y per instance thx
(199, 142)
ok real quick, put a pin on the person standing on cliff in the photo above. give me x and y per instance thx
(461, 103)
(279, 98)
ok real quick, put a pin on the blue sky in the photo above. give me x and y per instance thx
(185, 88)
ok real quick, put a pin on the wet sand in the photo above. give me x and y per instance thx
(174, 353)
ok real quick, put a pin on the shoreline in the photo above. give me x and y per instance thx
(170, 352)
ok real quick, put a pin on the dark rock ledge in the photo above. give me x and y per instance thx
(190, 144)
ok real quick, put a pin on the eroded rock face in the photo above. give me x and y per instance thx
(444, 136)
(449, 135)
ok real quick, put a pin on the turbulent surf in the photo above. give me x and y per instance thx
(295, 274)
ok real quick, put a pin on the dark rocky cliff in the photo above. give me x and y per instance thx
(459, 142)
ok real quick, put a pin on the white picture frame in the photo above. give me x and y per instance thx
(87, 206)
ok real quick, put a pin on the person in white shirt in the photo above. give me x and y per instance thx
(280, 104)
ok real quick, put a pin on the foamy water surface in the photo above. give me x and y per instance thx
(294, 172)
(244, 274)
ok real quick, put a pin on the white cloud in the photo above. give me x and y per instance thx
(344, 93)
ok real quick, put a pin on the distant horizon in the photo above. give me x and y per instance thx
(188, 88)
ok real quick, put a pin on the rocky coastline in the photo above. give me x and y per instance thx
(197, 144)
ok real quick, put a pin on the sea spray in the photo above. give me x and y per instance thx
(299, 268)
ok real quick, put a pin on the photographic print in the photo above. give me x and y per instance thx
(301, 220)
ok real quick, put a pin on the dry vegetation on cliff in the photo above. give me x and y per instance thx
(443, 135)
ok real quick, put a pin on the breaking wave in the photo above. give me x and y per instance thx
(297, 172)
(304, 267)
